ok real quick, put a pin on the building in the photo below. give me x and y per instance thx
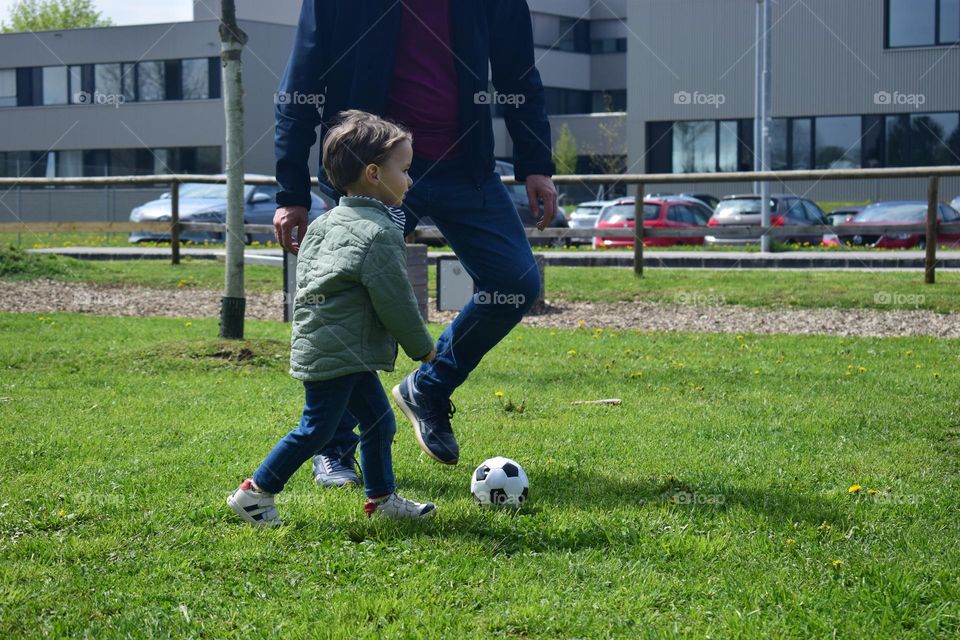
(146, 99)
(857, 83)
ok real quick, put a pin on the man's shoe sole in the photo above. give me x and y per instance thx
(398, 398)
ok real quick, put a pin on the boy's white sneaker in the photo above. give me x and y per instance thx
(393, 506)
(255, 507)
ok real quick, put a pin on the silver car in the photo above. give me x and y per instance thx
(201, 202)
(585, 216)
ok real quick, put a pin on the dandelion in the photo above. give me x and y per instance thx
(756, 372)
(936, 374)
(837, 563)
(572, 352)
(854, 488)
(499, 394)
(872, 492)
(861, 369)
(919, 366)
(790, 541)
(739, 337)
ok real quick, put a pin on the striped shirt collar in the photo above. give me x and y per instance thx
(396, 214)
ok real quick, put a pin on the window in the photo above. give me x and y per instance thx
(694, 146)
(54, 85)
(727, 149)
(814, 214)
(194, 79)
(608, 101)
(838, 142)
(108, 79)
(922, 139)
(69, 164)
(608, 45)
(922, 23)
(150, 80)
(562, 101)
(801, 151)
(779, 149)
(8, 87)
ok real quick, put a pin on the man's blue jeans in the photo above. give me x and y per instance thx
(327, 401)
(482, 226)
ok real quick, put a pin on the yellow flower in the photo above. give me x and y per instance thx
(919, 366)
(756, 372)
(872, 492)
(61, 513)
(936, 374)
(572, 352)
(861, 369)
(790, 540)
(581, 323)
(188, 324)
(499, 394)
(837, 564)
(739, 337)
(854, 488)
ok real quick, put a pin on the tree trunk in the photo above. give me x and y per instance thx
(233, 303)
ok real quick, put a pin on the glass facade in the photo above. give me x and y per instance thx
(922, 23)
(829, 142)
(110, 162)
(111, 82)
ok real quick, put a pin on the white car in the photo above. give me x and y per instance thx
(585, 216)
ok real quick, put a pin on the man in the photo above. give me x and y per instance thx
(424, 64)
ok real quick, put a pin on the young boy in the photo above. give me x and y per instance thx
(352, 295)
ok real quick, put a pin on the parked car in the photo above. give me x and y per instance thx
(843, 215)
(671, 212)
(200, 202)
(898, 213)
(744, 210)
(707, 199)
(585, 217)
(518, 194)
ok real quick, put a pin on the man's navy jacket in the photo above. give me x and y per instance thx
(343, 57)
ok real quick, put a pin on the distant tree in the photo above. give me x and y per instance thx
(44, 15)
(565, 151)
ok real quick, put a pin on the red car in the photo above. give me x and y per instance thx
(663, 212)
(894, 213)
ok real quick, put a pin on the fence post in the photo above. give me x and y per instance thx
(930, 265)
(175, 222)
(638, 232)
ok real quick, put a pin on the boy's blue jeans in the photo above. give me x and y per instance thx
(326, 403)
(483, 228)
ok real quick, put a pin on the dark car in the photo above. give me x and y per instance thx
(744, 210)
(670, 212)
(201, 202)
(843, 215)
(898, 213)
(707, 199)
(518, 194)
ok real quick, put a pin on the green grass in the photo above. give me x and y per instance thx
(18, 264)
(713, 502)
(759, 288)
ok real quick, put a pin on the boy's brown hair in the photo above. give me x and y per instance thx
(358, 139)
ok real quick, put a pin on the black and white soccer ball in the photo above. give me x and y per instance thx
(500, 482)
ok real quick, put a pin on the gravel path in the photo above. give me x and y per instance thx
(45, 296)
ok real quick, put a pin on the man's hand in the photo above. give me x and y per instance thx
(541, 188)
(285, 220)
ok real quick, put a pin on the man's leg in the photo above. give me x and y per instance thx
(484, 230)
(482, 226)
